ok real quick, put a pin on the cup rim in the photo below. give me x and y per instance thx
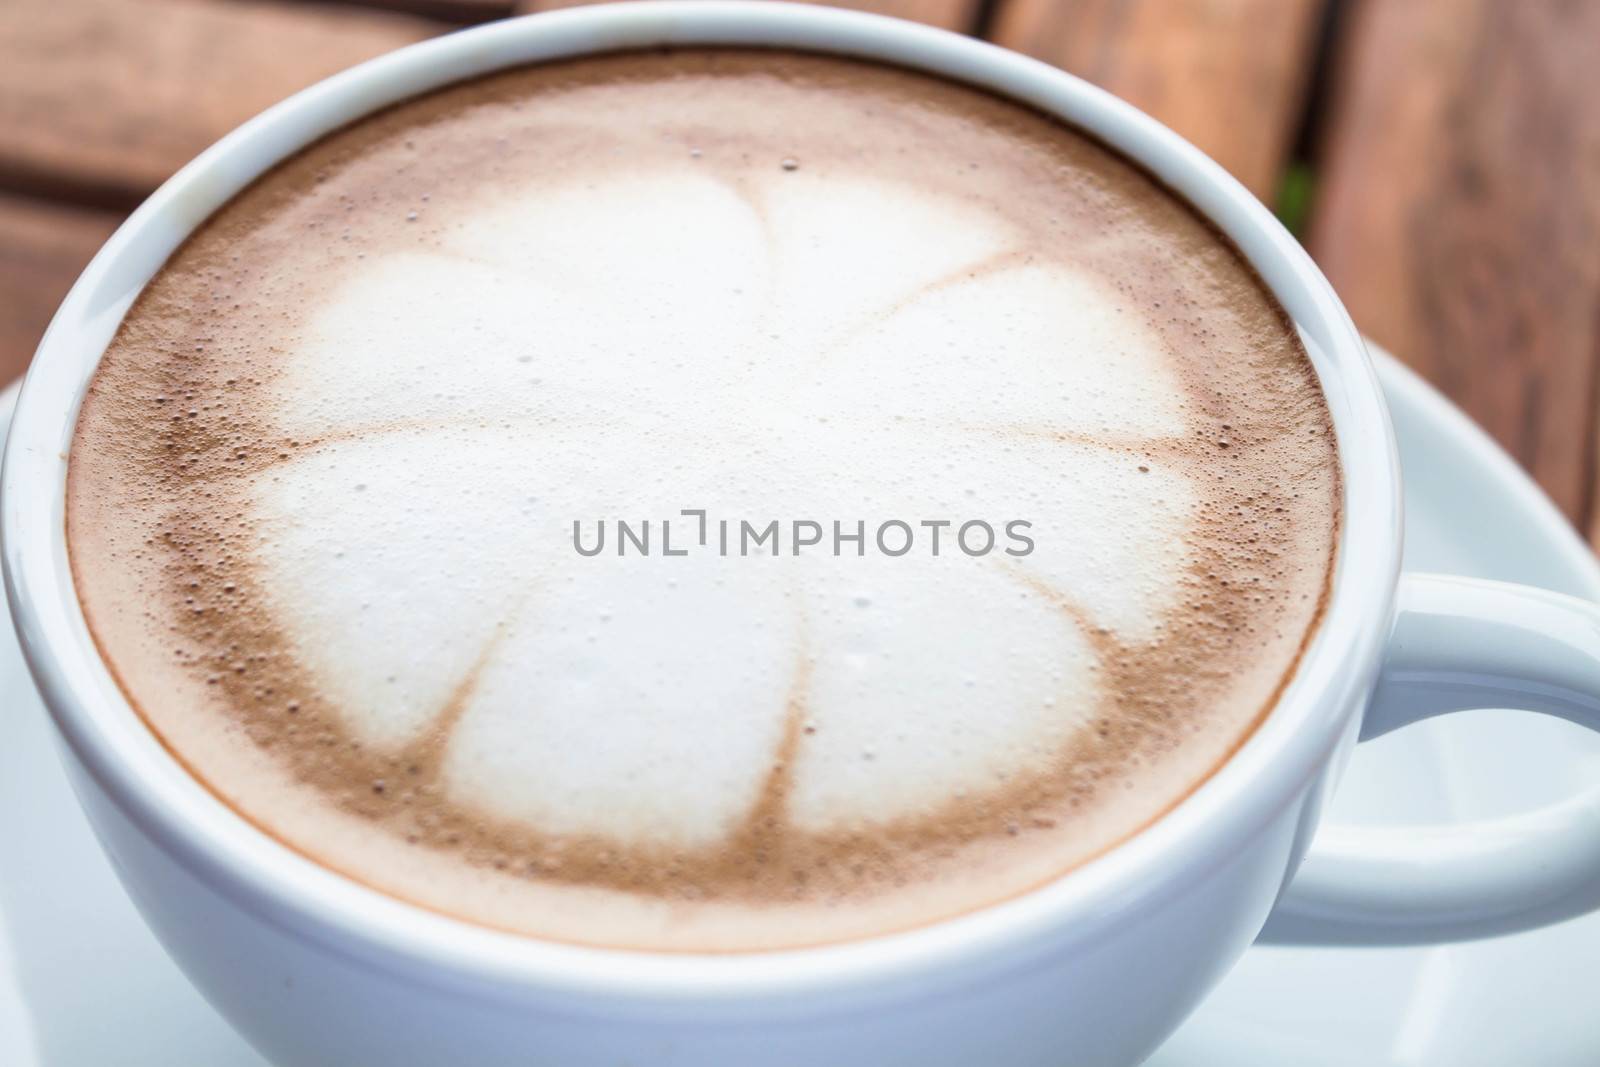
(1275, 765)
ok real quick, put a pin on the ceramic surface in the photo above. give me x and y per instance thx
(83, 983)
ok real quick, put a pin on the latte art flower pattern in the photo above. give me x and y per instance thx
(966, 378)
(390, 378)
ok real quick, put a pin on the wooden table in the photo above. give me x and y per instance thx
(1440, 158)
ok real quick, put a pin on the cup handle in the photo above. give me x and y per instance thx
(1462, 643)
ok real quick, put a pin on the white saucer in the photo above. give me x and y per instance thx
(82, 984)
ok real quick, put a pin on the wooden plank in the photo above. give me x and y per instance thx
(1229, 75)
(1458, 213)
(103, 99)
(43, 248)
(959, 15)
(457, 11)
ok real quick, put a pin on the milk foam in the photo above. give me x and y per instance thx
(502, 326)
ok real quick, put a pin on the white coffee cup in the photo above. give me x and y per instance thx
(1096, 968)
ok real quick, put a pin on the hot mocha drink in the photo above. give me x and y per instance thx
(323, 490)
